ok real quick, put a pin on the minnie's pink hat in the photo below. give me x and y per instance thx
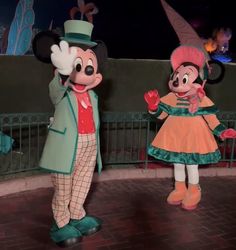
(187, 53)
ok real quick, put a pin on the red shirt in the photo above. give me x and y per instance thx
(85, 116)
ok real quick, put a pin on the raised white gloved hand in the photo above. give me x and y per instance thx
(63, 57)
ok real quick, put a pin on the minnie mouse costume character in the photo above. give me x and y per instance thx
(186, 138)
(72, 149)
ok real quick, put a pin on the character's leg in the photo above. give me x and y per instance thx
(82, 178)
(61, 232)
(178, 194)
(193, 195)
(61, 199)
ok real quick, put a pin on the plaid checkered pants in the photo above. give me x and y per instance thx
(71, 190)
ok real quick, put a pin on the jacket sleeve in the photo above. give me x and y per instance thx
(56, 89)
(159, 113)
(214, 124)
(162, 111)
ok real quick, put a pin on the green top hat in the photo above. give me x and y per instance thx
(78, 32)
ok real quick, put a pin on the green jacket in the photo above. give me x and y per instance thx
(61, 144)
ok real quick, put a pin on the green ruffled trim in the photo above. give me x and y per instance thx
(182, 99)
(185, 112)
(182, 104)
(219, 129)
(184, 158)
(157, 112)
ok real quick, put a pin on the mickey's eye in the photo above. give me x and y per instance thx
(185, 79)
(78, 64)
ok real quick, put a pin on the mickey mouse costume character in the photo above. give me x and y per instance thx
(186, 138)
(72, 149)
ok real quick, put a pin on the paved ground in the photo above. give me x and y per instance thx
(135, 216)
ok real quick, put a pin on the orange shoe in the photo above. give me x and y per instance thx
(178, 194)
(192, 198)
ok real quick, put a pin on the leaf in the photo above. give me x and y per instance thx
(20, 34)
(80, 3)
(89, 10)
(73, 11)
(50, 25)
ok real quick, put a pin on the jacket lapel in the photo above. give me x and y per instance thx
(94, 103)
(71, 98)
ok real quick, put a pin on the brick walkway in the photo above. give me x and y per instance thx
(135, 216)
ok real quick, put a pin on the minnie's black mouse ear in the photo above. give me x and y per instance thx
(216, 73)
(42, 43)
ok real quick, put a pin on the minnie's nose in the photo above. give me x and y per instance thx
(176, 83)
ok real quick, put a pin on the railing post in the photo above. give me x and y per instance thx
(147, 143)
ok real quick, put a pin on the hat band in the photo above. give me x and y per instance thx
(78, 36)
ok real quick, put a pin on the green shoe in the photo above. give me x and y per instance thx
(65, 236)
(87, 226)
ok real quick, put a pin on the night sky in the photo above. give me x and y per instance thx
(135, 29)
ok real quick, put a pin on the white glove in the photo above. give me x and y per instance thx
(63, 57)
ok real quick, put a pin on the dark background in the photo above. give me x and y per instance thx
(131, 29)
(135, 29)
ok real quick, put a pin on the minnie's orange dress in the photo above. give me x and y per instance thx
(184, 137)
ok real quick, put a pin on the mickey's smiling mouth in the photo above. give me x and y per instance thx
(78, 86)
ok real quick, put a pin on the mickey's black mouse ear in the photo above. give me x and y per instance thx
(216, 73)
(101, 52)
(42, 43)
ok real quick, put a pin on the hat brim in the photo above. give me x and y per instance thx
(79, 41)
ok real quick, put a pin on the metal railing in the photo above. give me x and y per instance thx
(29, 132)
(124, 139)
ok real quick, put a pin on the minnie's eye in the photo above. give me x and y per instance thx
(185, 79)
(78, 64)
